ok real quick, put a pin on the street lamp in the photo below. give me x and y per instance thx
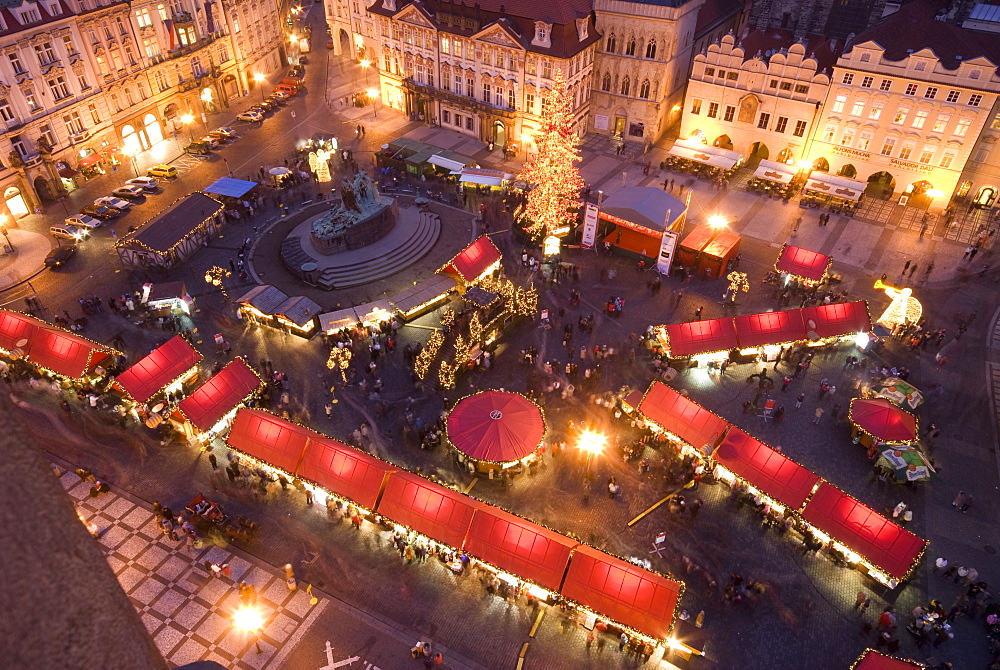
(365, 64)
(131, 153)
(372, 95)
(250, 620)
(187, 120)
(592, 443)
(3, 231)
(717, 222)
(259, 78)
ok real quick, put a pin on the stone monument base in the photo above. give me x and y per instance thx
(366, 231)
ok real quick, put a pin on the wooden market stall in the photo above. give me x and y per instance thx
(679, 415)
(495, 430)
(438, 512)
(167, 368)
(635, 217)
(209, 406)
(54, 350)
(473, 262)
(297, 315)
(804, 264)
(871, 659)
(710, 249)
(765, 469)
(172, 235)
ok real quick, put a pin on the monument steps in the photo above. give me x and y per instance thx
(293, 254)
(390, 260)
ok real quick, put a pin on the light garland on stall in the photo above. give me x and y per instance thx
(810, 282)
(869, 650)
(541, 441)
(475, 328)
(130, 239)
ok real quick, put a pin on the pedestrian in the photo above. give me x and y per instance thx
(818, 415)
(309, 497)
(328, 408)
(860, 600)
(697, 313)
(622, 641)
(785, 382)
(213, 461)
(799, 399)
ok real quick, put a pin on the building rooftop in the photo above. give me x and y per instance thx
(765, 43)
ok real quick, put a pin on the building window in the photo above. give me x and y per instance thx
(911, 89)
(59, 88)
(470, 87)
(487, 92)
(867, 82)
(865, 140)
(29, 97)
(941, 122)
(995, 125)
(185, 36)
(931, 92)
(876, 110)
(921, 66)
(900, 116)
(17, 142)
(858, 108)
(888, 146)
(6, 113)
(906, 150)
(15, 63)
(764, 121)
(630, 47)
(445, 116)
(545, 106)
(44, 53)
(511, 98)
(962, 127)
(651, 49)
(786, 86)
(848, 78)
(709, 71)
(696, 106)
(81, 79)
(975, 99)
(498, 98)
(800, 129)
(142, 18)
(730, 113)
(546, 69)
(529, 103)
(47, 135)
(610, 45)
(68, 45)
(952, 96)
(445, 45)
(801, 88)
(626, 84)
(885, 85)
(781, 124)
(920, 118)
(722, 73)
(470, 123)
(847, 139)
(95, 116)
(947, 159)
(73, 123)
(926, 155)
(606, 82)
(838, 103)
(866, 57)
(713, 109)
(974, 74)
(732, 76)
(644, 89)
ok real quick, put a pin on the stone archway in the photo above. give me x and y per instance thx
(343, 43)
(43, 189)
(759, 150)
(848, 171)
(723, 142)
(821, 165)
(786, 156)
(881, 185)
(985, 198)
(152, 125)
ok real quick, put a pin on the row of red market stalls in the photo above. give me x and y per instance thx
(884, 550)
(516, 549)
(713, 339)
(54, 350)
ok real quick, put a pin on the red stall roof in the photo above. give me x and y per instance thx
(434, 510)
(722, 245)
(621, 591)
(14, 327)
(158, 369)
(65, 352)
(757, 330)
(802, 263)
(269, 438)
(345, 471)
(698, 238)
(863, 530)
(219, 395)
(681, 416)
(518, 546)
(496, 426)
(873, 660)
(701, 337)
(473, 260)
(770, 471)
(837, 319)
(883, 419)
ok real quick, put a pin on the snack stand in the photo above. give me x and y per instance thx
(167, 298)
(710, 249)
(682, 419)
(150, 383)
(493, 431)
(472, 263)
(637, 216)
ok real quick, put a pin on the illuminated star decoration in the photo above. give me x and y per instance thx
(904, 308)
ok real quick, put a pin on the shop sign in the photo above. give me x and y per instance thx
(668, 243)
(913, 167)
(853, 153)
(589, 227)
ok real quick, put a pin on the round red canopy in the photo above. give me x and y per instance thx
(883, 420)
(496, 426)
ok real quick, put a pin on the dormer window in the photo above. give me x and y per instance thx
(30, 16)
(543, 34)
(389, 5)
(582, 27)
(865, 57)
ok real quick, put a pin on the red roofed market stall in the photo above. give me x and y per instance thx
(882, 546)
(626, 593)
(836, 319)
(269, 438)
(495, 428)
(16, 330)
(520, 547)
(701, 337)
(874, 660)
(708, 248)
(683, 417)
(210, 403)
(883, 420)
(433, 510)
(769, 328)
(476, 260)
(767, 470)
(799, 262)
(345, 471)
(162, 367)
(67, 354)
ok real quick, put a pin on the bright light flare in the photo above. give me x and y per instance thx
(248, 618)
(187, 118)
(372, 93)
(717, 221)
(591, 442)
(934, 193)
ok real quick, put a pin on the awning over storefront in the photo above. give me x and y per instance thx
(683, 417)
(518, 546)
(473, 261)
(701, 337)
(873, 660)
(158, 369)
(835, 186)
(345, 471)
(448, 163)
(768, 470)
(92, 159)
(757, 330)
(232, 188)
(702, 156)
(220, 395)
(836, 319)
(66, 353)
(68, 172)
(496, 426)
(864, 531)
(434, 510)
(802, 263)
(780, 173)
(640, 599)
(269, 438)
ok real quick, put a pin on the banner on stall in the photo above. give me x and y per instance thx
(589, 227)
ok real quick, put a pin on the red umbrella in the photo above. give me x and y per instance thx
(883, 420)
(496, 426)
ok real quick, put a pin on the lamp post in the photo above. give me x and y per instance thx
(250, 620)
(130, 153)
(259, 79)
(365, 64)
(372, 95)
(3, 231)
(187, 120)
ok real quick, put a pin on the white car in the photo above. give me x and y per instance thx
(145, 183)
(252, 117)
(110, 201)
(84, 222)
(129, 192)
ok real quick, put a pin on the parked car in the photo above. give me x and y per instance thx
(281, 93)
(113, 202)
(198, 149)
(67, 232)
(250, 116)
(145, 183)
(223, 134)
(296, 71)
(168, 171)
(130, 192)
(277, 101)
(212, 142)
(264, 106)
(59, 256)
(102, 212)
(84, 222)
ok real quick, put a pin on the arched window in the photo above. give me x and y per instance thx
(630, 48)
(651, 49)
(610, 46)
(626, 84)
(644, 89)
(606, 82)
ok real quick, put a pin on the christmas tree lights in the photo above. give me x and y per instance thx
(551, 171)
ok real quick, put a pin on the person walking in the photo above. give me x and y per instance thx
(213, 461)
(697, 313)
(818, 415)
(799, 399)
(860, 600)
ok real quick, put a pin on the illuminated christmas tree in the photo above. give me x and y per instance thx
(551, 172)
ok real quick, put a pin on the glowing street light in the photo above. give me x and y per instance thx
(259, 78)
(717, 222)
(250, 620)
(187, 120)
(592, 443)
(373, 95)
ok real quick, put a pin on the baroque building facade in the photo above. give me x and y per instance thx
(87, 84)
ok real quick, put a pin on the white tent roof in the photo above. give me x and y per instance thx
(447, 163)
(835, 186)
(777, 172)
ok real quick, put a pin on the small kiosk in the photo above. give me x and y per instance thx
(635, 218)
(707, 250)
(168, 298)
(151, 381)
(495, 430)
(209, 409)
(473, 262)
(173, 235)
(807, 266)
